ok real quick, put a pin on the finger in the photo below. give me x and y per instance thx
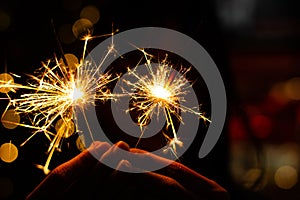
(80, 164)
(123, 185)
(105, 157)
(189, 178)
(62, 176)
(95, 182)
(146, 185)
(115, 154)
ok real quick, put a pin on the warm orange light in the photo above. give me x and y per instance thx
(8, 152)
(160, 92)
(10, 119)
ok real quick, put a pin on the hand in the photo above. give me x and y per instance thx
(85, 177)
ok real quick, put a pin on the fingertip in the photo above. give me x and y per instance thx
(115, 154)
(94, 144)
(97, 149)
(122, 145)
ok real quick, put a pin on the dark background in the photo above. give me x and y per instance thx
(255, 45)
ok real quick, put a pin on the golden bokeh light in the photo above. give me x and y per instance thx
(10, 119)
(82, 28)
(292, 88)
(6, 79)
(277, 93)
(66, 126)
(91, 13)
(8, 152)
(72, 61)
(286, 177)
(80, 143)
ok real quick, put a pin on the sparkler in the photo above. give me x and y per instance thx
(54, 93)
(161, 90)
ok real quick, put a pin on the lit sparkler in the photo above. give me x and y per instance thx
(161, 90)
(54, 93)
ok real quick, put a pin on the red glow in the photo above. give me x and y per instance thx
(261, 125)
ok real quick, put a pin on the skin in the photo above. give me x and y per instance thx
(85, 177)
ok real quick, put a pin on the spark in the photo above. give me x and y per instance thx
(161, 90)
(52, 95)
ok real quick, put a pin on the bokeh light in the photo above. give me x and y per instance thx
(286, 177)
(288, 154)
(8, 152)
(80, 143)
(242, 159)
(82, 27)
(292, 88)
(10, 119)
(5, 79)
(286, 91)
(261, 125)
(236, 128)
(277, 94)
(91, 13)
(72, 61)
(66, 126)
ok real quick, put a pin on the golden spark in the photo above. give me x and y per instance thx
(161, 90)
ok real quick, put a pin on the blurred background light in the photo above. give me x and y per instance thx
(286, 177)
(82, 27)
(10, 119)
(8, 152)
(91, 13)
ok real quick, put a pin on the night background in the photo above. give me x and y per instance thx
(255, 45)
